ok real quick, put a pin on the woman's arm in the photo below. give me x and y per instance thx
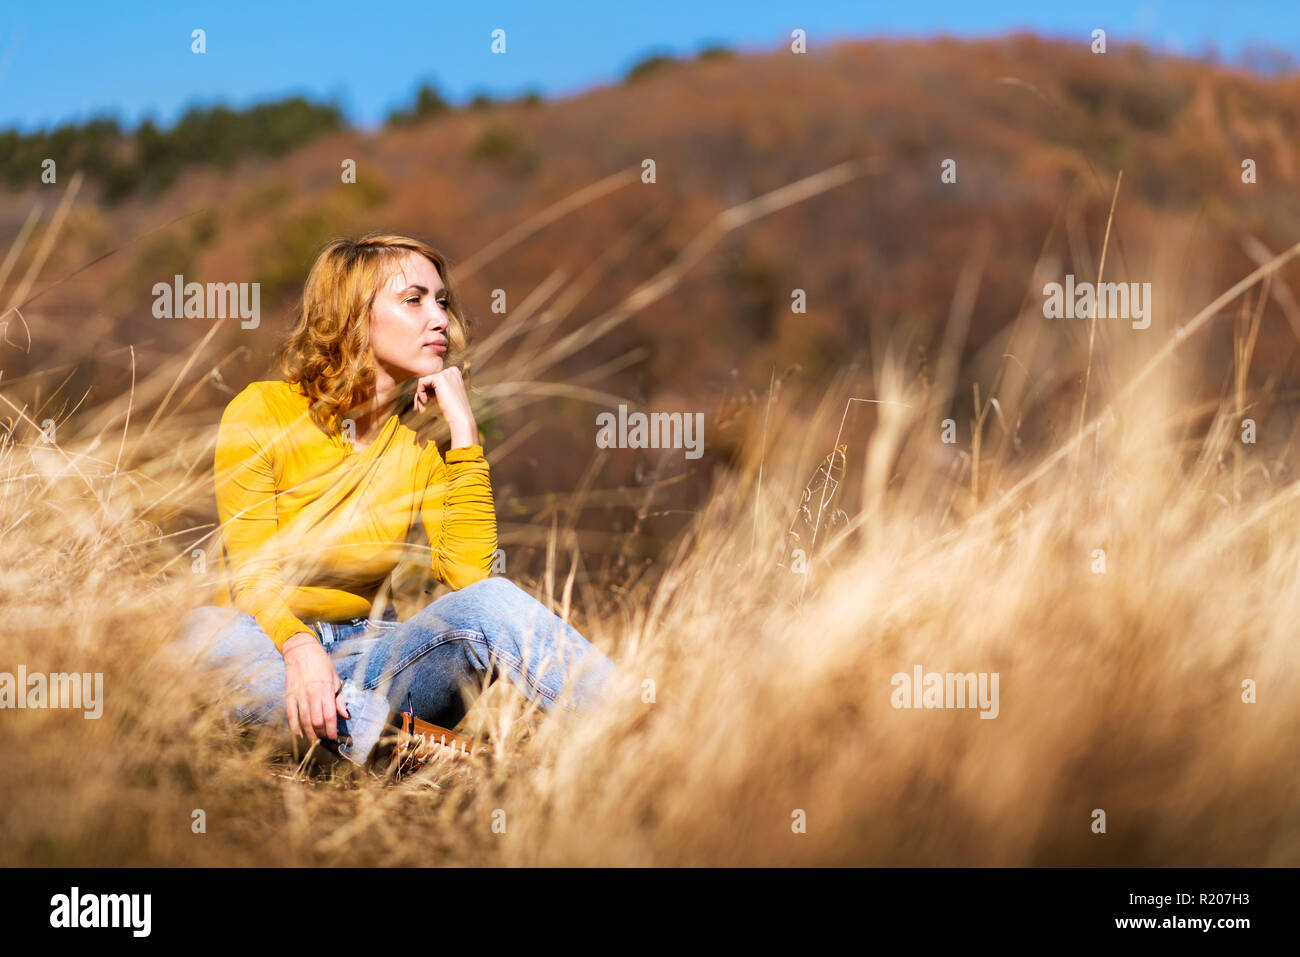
(245, 480)
(459, 517)
(457, 509)
(245, 489)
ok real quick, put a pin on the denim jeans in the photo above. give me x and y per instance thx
(429, 664)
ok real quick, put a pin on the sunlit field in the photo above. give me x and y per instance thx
(1067, 511)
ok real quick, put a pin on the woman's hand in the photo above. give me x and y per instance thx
(312, 695)
(449, 389)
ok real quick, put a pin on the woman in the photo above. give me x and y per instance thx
(319, 481)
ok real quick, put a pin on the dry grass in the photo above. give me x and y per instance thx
(1119, 690)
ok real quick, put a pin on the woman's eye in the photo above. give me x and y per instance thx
(445, 303)
(414, 299)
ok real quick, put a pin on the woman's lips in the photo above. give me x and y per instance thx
(436, 347)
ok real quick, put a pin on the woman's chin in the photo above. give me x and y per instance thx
(427, 365)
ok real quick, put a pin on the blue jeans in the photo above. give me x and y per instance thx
(429, 664)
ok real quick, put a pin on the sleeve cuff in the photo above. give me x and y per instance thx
(286, 630)
(466, 453)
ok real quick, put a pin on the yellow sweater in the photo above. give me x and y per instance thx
(311, 528)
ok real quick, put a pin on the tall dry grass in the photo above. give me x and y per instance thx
(749, 694)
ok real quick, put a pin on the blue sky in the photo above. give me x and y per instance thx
(71, 60)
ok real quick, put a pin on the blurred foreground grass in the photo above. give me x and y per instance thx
(752, 696)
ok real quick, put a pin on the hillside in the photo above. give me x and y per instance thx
(1039, 132)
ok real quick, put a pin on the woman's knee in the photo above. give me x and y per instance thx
(203, 625)
(211, 632)
(494, 586)
(479, 602)
(237, 659)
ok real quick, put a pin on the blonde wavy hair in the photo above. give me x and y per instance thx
(328, 353)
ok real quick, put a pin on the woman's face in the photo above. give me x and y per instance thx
(409, 321)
